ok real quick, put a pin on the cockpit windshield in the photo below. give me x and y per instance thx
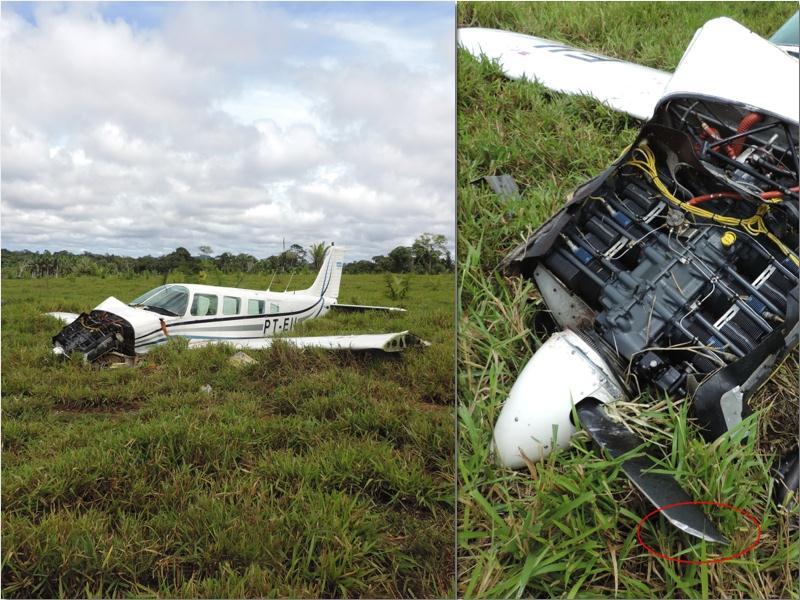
(166, 299)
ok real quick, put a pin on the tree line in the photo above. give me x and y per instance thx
(428, 254)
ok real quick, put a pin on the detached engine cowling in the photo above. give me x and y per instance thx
(680, 262)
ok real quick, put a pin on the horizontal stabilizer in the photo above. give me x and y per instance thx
(623, 86)
(385, 342)
(64, 317)
(362, 308)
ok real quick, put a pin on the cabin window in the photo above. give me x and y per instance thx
(147, 295)
(230, 305)
(169, 300)
(255, 307)
(274, 308)
(204, 305)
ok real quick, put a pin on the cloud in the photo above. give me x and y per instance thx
(234, 125)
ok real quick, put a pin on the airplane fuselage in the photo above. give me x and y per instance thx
(200, 313)
(220, 313)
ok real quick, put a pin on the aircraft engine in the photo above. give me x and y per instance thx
(111, 328)
(677, 267)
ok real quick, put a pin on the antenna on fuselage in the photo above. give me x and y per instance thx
(269, 286)
(289, 282)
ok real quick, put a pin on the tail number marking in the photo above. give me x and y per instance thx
(278, 324)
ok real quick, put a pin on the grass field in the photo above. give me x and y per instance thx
(307, 474)
(567, 526)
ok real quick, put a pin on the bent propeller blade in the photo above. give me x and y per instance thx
(660, 489)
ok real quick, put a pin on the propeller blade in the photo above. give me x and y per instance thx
(660, 489)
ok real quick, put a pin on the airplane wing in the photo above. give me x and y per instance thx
(362, 308)
(386, 342)
(64, 317)
(623, 86)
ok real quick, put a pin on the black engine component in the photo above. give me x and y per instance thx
(686, 253)
(95, 334)
(661, 489)
(787, 478)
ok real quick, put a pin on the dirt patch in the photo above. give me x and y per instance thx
(98, 410)
(431, 408)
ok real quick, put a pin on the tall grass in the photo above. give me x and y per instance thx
(306, 474)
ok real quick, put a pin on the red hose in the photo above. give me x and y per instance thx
(708, 132)
(764, 195)
(777, 193)
(714, 196)
(747, 123)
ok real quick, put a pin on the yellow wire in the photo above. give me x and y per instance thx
(754, 225)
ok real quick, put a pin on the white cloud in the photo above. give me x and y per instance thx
(233, 125)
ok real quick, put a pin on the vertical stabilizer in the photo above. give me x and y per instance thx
(330, 274)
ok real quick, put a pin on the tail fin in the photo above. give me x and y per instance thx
(330, 274)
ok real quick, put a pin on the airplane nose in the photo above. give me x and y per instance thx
(94, 335)
(537, 414)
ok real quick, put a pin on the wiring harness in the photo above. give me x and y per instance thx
(645, 160)
(95, 334)
(684, 256)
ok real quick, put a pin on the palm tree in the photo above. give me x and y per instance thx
(317, 254)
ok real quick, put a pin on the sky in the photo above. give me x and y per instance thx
(136, 128)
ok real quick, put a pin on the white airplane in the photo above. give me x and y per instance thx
(677, 267)
(206, 314)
